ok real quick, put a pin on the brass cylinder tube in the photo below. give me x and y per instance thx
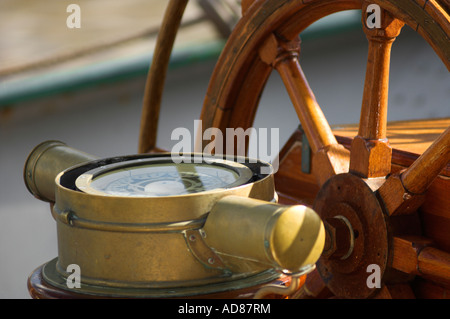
(45, 162)
(288, 238)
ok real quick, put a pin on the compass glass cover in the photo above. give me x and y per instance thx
(160, 180)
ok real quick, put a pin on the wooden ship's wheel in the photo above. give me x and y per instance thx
(385, 210)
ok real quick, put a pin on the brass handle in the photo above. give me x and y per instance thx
(289, 238)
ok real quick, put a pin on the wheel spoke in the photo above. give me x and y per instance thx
(308, 110)
(371, 153)
(416, 256)
(403, 193)
(331, 157)
(418, 177)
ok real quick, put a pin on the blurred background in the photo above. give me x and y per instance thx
(85, 87)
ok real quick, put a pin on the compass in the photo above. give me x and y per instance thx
(168, 225)
(147, 178)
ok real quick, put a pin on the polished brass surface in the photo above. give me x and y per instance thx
(45, 162)
(140, 242)
(206, 241)
(196, 244)
(245, 230)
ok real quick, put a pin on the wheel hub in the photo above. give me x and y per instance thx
(355, 221)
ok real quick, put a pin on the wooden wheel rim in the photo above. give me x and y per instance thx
(234, 68)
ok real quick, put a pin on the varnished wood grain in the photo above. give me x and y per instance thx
(397, 199)
(372, 125)
(419, 176)
(371, 153)
(406, 249)
(311, 116)
(412, 136)
(434, 214)
(404, 192)
(234, 66)
(415, 255)
(331, 157)
(409, 139)
(435, 264)
(156, 77)
(294, 186)
(426, 289)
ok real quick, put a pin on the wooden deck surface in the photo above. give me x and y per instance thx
(410, 136)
